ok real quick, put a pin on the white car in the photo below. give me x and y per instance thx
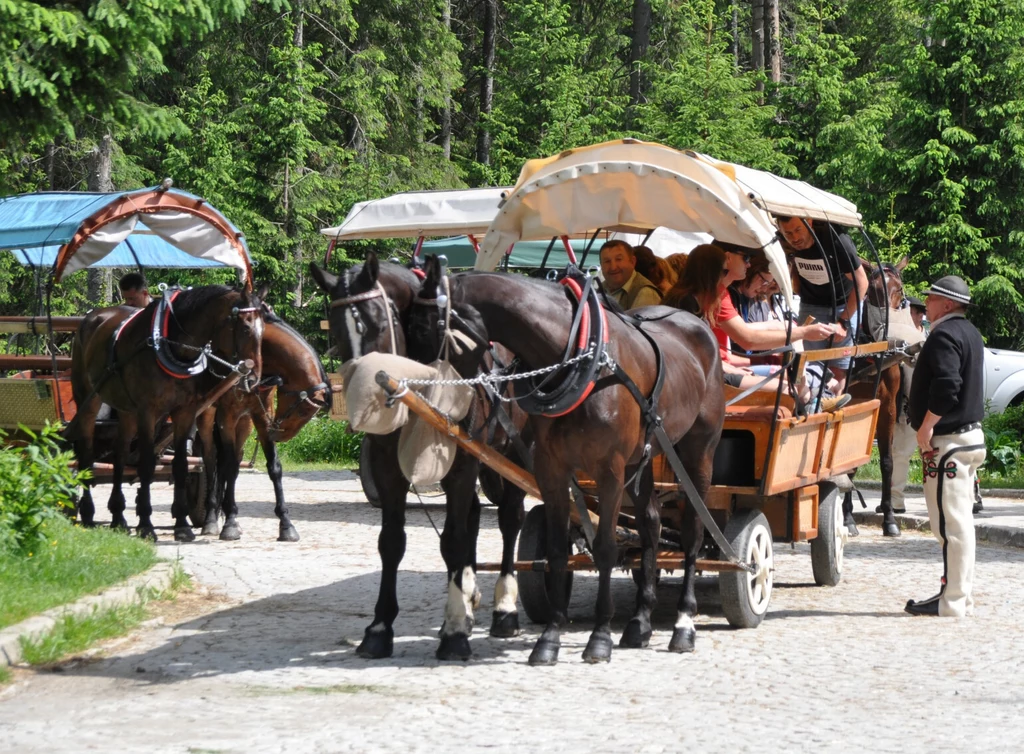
(1004, 379)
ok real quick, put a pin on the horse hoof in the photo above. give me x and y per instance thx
(545, 652)
(454, 647)
(891, 530)
(288, 534)
(477, 598)
(599, 648)
(683, 640)
(852, 530)
(504, 625)
(377, 645)
(183, 534)
(210, 530)
(635, 636)
(231, 533)
(148, 532)
(90, 524)
(119, 525)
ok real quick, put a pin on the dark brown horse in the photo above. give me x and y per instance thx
(371, 305)
(201, 336)
(291, 370)
(604, 437)
(885, 291)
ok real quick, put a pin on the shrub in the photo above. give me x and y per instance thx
(36, 484)
(323, 440)
(1003, 435)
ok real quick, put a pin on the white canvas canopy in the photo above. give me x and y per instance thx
(787, 197)
(411, 214)
(631, 186)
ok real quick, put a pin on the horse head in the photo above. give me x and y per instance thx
(292, 366)
(369, 303)
(885, 283)
(438, 314)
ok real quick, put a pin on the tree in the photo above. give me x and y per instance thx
(958, 156)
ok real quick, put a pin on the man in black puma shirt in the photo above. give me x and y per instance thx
(946, 408)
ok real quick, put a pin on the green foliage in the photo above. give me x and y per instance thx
(1004, 434)
(73, 562)
(323, 440)
(36, 486)
(74, 633)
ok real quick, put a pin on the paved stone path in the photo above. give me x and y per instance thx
(261, 668)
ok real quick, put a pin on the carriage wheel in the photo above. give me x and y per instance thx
(195, 487)
(533, 585)
(828, 547)
(745, 596)
(366, 478)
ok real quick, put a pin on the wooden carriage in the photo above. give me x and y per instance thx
(59, 233)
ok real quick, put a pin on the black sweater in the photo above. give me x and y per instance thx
(949, 379)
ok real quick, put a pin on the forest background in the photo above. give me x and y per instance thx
(284, 114)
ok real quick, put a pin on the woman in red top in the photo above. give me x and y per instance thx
(703, 290)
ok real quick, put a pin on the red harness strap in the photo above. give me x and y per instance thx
(581, 344)
(163, 332)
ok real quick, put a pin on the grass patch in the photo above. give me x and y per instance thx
(871, 471)
(5, 675)
(72, 562)
(321, 445)
(74, 633)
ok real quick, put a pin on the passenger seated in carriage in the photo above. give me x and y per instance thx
(134, 290)
(703, 290)
(655, 269)
(623, 283)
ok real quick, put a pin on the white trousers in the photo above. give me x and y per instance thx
(904, 443)
(949, 491)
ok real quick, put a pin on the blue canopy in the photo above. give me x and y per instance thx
(154, 227)
(460, 253)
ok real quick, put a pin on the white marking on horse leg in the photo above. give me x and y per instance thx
(506, 591)
(354, 339)
(377, 628)
(458, 612)
(684, 621)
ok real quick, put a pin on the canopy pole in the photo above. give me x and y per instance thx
(547, 252)
(568, 250)
(416, 252)
(330, 250)
(476, 244)
(586, 250)
(134, 255)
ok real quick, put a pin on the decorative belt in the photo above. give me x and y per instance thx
(965, 428)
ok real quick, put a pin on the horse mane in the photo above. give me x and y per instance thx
(195, 300)
(272, 318)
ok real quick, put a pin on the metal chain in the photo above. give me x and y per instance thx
(492, 378)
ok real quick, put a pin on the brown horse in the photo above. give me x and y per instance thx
(152, 363)
(370, 308)
(885, 291)
(605, 436)
(291, 368)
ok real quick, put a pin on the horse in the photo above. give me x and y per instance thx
(293, 369)
(148, 364)
(885, 291)
(606, 435)
(370, 306)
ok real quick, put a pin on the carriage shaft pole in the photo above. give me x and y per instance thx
(167, 436)
(521, 478)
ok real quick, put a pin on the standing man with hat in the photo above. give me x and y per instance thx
(946, 408)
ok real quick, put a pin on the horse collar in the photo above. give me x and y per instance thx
(166, 360)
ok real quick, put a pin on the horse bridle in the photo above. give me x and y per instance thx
(350, 301)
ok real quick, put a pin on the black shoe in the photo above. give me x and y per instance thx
(925, 607)
(978, 508)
